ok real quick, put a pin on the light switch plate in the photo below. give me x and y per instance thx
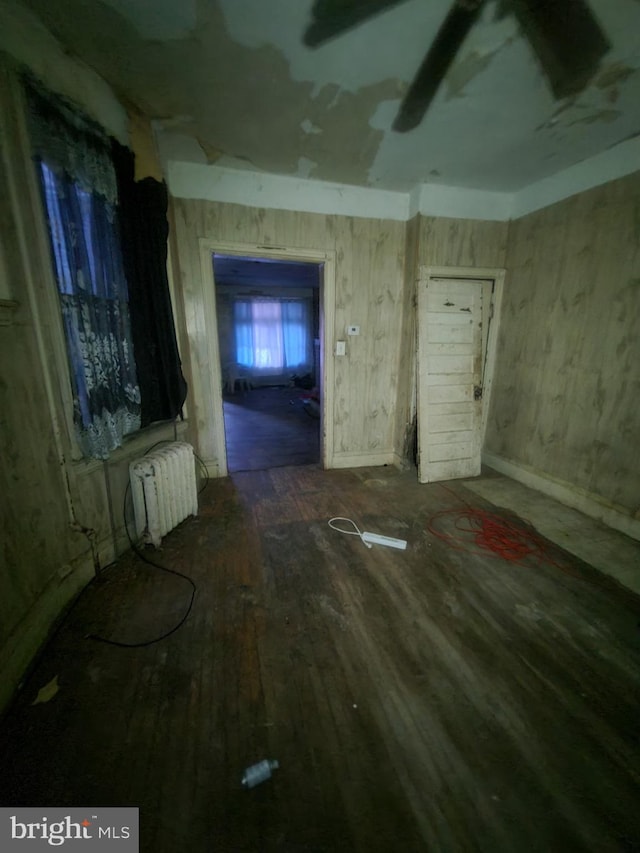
(341, 348)
(353, 330)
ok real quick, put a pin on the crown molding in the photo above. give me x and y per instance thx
(280, 192)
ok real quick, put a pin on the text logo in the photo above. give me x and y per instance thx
(101, 829)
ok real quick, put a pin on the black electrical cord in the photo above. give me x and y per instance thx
(146, 559)
(206, 473)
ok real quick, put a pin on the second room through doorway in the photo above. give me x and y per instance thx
(268, 313)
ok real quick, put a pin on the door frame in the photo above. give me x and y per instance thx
(497, 275)
(213, 389)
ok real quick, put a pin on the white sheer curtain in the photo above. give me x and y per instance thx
(273, 336)
(268, 338)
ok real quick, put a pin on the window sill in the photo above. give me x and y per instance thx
(135, 445)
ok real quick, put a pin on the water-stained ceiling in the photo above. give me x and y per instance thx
(231, 82)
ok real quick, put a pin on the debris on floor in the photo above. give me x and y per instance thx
(258, 773)
(46, 693)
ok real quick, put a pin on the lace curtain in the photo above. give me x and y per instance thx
(79, 192)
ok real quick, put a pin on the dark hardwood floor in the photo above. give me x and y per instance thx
(433, 699)
(270, 428)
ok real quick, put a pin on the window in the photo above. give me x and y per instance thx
(273, 336)
(95, 313)
(107, 234)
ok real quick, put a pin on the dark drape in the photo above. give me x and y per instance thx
(142, 214)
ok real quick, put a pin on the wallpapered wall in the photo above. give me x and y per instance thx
(567, 381)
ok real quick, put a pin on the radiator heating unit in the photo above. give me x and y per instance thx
(164, 490)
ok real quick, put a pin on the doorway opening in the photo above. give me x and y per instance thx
(269, 338)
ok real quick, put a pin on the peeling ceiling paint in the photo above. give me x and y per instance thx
(604, 115)
(613, 74)
(309, 127)
(358, 59)
(230, 82)
(160, 20)
(464, 71)
(306, 167)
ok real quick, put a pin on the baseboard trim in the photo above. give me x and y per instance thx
(565, 493)
(401, 462)
(214, 469)
(109, 550)
(363, 459)
(35, 628)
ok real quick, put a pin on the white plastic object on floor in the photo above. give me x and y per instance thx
(258, 773)
(389, 541)
(368, 539)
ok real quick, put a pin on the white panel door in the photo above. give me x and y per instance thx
(450, 345)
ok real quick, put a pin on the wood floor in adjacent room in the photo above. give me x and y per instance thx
(431, 699)
(269, 428)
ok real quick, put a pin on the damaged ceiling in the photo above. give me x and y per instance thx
(231, 82)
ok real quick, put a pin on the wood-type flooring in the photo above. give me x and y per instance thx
(433, 699)
(270, 428)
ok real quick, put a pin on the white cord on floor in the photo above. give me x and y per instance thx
(355, 532)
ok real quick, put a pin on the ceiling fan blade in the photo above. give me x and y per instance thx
(442, 52)
(566, 38)
(333, 17)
